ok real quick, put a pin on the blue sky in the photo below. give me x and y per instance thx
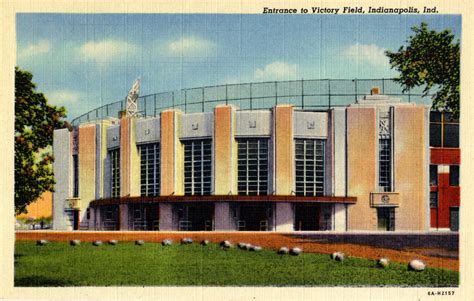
(83, 61)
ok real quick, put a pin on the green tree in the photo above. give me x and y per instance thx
(432, 59)
(35, 121)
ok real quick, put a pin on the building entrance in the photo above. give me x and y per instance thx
(254, 218)
(307, 217)
(109, 217)
(144, 217)
(386, 219)
(195, 217)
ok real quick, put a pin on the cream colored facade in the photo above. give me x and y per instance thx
(346, 174)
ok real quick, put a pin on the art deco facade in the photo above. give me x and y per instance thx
(364, 166)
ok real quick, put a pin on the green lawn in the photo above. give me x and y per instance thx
(58, 264)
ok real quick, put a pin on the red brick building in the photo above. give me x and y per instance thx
(444, 171)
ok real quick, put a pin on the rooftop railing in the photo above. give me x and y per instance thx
(318, 94)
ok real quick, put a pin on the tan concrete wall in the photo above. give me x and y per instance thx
(410, 161)
(134, 161)
(124, 156)
(87, 164)
(172, 154)
(179, 156)
(129, 158)
(361, 166)
(123, 216)
(103, 157)
(284, 158)
(235, 155)
(167, 152)
(166, 217)
(284, 216)
(224, 132)
(222, 220)
(340, 222)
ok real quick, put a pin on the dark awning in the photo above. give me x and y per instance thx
(224, 198)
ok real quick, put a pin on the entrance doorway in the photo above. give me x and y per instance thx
(307, 217)
(143, 217)
(195, 217)
(386, 219)
(109, 216)
(255, 217)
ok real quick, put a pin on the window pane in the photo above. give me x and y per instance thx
(435, 135)
(433, 199)
(149, 169)
(433, 175)
(114, 156)
(448, 117)
(309, 167)
(451, 135)
(385, 170)
(197, 167)
(435, 116)
(75, 160)
(252, 166)
(454, 175)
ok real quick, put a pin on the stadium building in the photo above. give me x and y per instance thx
(276, 167)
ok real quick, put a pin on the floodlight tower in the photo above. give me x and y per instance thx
(131, 103)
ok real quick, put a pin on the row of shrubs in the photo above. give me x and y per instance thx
(413, 265)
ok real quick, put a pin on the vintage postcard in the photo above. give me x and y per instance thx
(240, 151)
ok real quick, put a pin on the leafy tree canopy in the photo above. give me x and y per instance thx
(432, 59)
(35, 121)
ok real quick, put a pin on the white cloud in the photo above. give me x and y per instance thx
(107, 50)
(189, 46)
(276, 70)
(39, 48)
(62, 97)
(368, 53)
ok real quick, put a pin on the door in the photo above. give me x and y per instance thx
(254, 216)
(454, 218)
(199, 217)
(76, 219)
(307, 218)
(386, 219)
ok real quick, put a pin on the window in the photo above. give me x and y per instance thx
(150, 169)
(444, 130)
(75, 172)
(454, 175)
(385, 165)
(115, 172)
(434, 199)
(454, 218)
(309, 167)
(252, 166)
(197, 167)
(434, 175)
